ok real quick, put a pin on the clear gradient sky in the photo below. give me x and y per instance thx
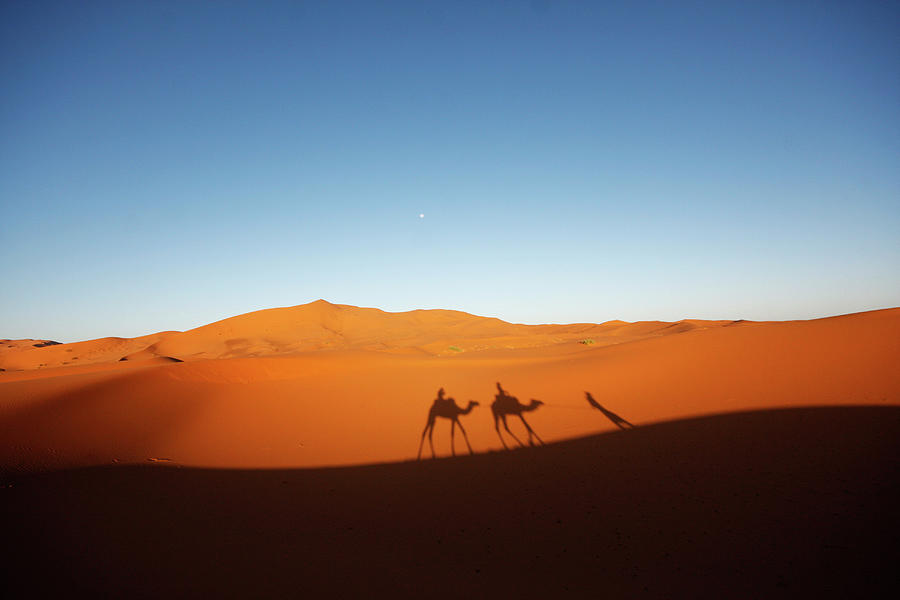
(167, 164)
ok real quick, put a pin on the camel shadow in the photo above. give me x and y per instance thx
(445, 408)
(504, 405)
(616, 419)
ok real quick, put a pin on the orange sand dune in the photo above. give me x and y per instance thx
(19, 355)
(321, 325)
(339, 385)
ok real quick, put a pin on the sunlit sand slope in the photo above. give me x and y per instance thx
(322, 325)
(349, 406)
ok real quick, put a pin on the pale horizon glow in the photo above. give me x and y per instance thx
(166, 165)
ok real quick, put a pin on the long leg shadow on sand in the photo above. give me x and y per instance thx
(616, 419)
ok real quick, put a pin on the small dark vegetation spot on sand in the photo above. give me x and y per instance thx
(586, 341)
(454, 348)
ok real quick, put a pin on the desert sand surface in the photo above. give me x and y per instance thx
(273, 454)
(794, 503)
(324, 384)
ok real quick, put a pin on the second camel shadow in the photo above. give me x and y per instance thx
(616, 419)
(504, 405)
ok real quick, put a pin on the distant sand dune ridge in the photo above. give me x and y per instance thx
(321, 325)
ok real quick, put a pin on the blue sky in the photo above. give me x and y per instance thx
(168, 164)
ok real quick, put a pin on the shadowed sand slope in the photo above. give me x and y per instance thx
(784, 503)
(332, 407)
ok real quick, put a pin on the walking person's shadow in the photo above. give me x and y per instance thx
(616, 419)
(445, 408)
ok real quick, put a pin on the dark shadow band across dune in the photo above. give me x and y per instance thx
(779, 503)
